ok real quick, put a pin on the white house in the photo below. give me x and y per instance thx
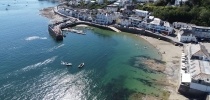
(74, 2)
(201, 31)
(178, 2)
(157, 25)
(124, 22)
(199, 52)
(100, 1)
(181, 25)
(111, 0)
(105, 18)
(186, 35)
(120, 3)
(144, 1)
(112, 8)
(87, 1)
(141, 13)
(135, 20)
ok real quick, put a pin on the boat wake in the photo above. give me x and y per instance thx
(30, 67)
(55, 47)
(39, 64)
(35, 38)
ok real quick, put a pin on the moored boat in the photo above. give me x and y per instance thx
(81, 65)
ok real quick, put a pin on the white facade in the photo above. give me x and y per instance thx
(201, 32)
(100, 1)
(111, 0)
(112, 8)
(135, 21)
(144, 1)
(157, 25)
(177, 2)
(181, 25)
(125, 22)
(141, 13)
(86, 1)
(186, 36)
(104, 18)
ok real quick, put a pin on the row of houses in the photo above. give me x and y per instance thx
(145, 21)
(195, 66)
(99, 16)
(191, 32)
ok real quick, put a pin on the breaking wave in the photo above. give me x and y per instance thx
(35, 38)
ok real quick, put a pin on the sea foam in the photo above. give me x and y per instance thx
(39, 64)
(35, 38)
(55, 47)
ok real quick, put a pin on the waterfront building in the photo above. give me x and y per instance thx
(125, 22)
(87, 1)
(111, 0)
(74, 2)
(179, 25)
(201, 32)
(145, 1)
(186, 35)
(100, 1)
(120, 3)
(196, 74)
(112, 8)
(82, 16)
(157, 25)
(135, 20)
(199, 52)
(66, 11)
(178, 2)
(105, 18)
(92, 1)
(141, 13)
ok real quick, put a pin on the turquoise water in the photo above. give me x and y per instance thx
(30, 59)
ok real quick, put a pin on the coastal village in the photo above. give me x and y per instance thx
(121, 15)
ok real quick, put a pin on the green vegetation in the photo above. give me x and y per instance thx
(193, 11)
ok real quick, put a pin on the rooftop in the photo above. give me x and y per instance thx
(201, 27)
(143, 11)
(200, 70)
(186, 32)
(156, 21)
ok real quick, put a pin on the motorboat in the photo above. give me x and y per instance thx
(81, 65)
(66, 63)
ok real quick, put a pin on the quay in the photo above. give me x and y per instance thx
(55, 32)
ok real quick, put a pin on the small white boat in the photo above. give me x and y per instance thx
(81, 65)
(66, 63)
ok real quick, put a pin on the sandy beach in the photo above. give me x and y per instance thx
(49, 13)
(171, 55)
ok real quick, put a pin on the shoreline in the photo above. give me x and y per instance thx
(171, 55)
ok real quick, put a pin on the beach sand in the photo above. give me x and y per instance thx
(82, 25)
(49, 13)
(171, 55)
